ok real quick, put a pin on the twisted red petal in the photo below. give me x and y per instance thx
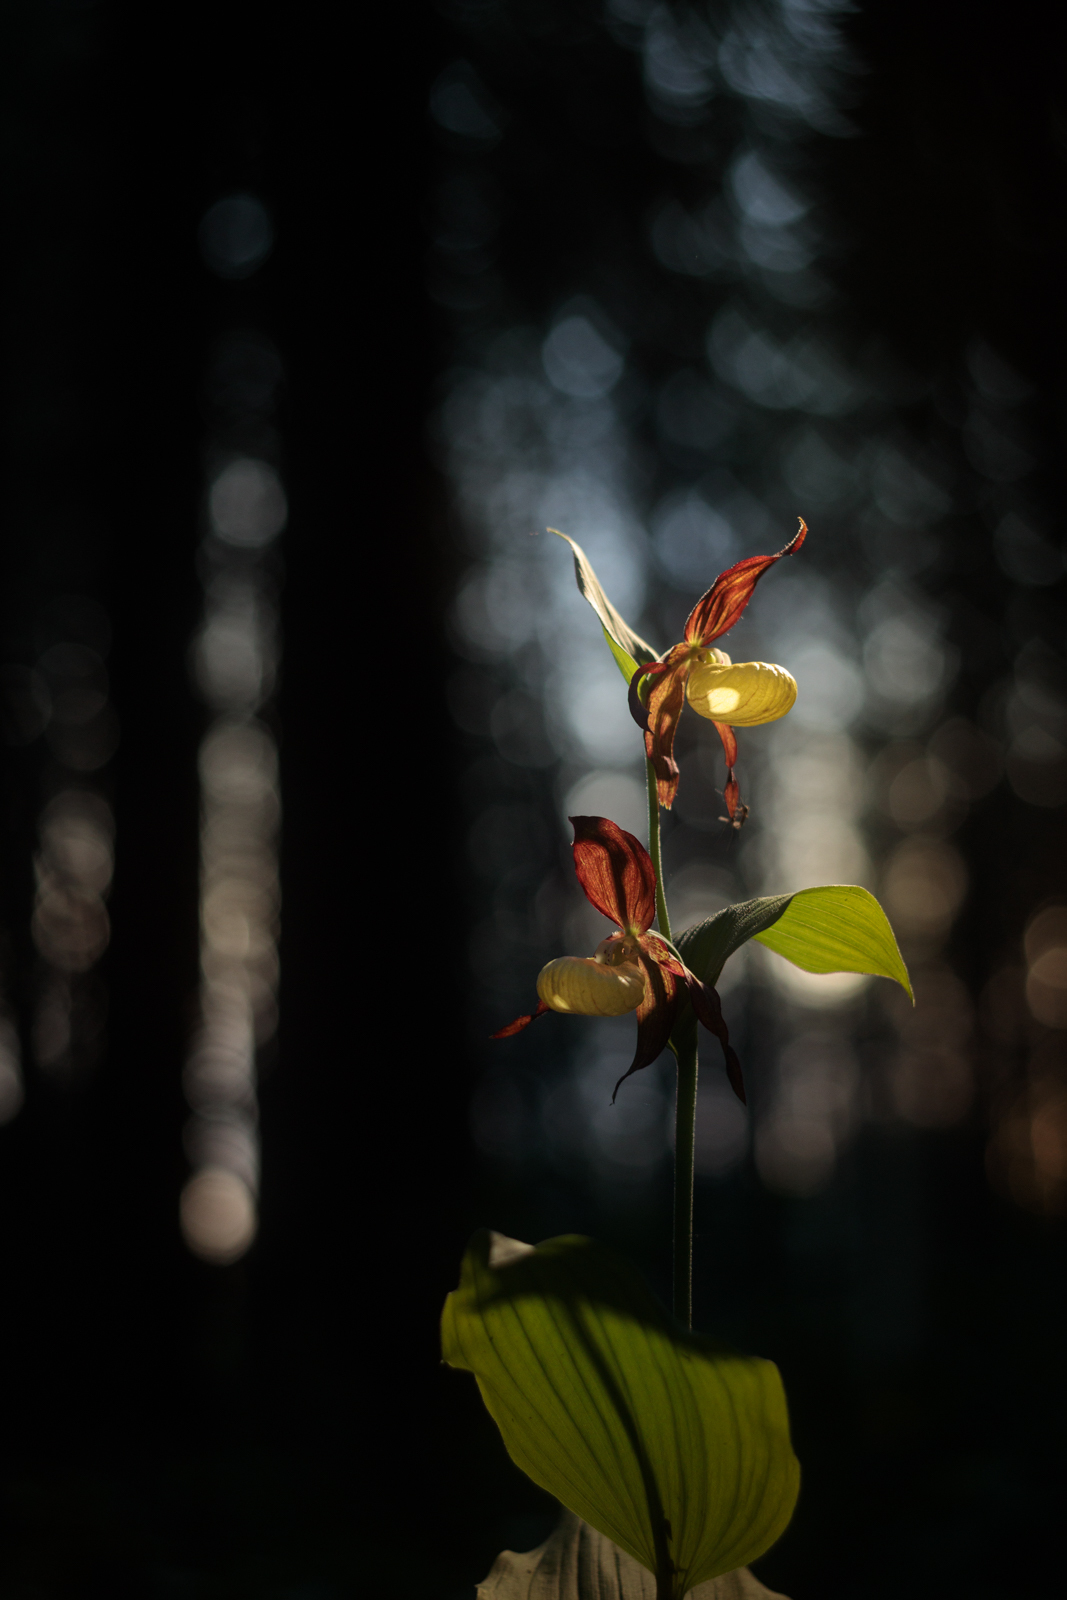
(666, 698)
(716, 612)
(616, 872)
(668, 983)
(732, 792)
(729, 743)
(655, 1014)
(708, 1007)
(521, 1022)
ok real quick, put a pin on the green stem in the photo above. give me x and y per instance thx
(685, 1115)
(654, 851)
(685, 1124)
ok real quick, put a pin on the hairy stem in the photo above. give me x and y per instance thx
(685, 1122)
(685, 1115)
(654, 851)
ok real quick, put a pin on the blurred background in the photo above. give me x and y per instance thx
(315, 322)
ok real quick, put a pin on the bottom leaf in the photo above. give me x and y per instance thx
(676, 1450)
(577, 1563)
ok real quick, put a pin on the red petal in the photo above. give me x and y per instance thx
(655, 1015)
(729, 743)
(717, 611)
(667, 984)
(708, 1008)
(732, 792)
(521, 1022)
(665, 701)
(616, 872)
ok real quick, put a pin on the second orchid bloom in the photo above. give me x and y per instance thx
(632, 969)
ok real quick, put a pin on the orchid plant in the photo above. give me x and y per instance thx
(668, 1447)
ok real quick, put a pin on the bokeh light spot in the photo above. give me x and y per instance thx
(236, 236)
(923, 887)
(248, 505)
(218, 1216)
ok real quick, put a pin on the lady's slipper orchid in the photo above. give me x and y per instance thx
(731, 696)
(633, 969)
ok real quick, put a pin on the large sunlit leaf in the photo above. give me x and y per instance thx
(673, 1448)
(838, 927)
(578, 1563)
(628, 648)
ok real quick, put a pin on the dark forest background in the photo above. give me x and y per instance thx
(281, 1427)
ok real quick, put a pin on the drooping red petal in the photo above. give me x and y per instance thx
(668, 983)
(731, 792)
(616, 872)
(708, 1008)
(716, 612)
(655, 1014)
(729, 742)
(665, 701)
(521, 1022)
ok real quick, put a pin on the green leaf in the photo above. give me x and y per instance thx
(578, 1563)
(672, 1448)
(836, 928)
(628, 648)
(623, 660)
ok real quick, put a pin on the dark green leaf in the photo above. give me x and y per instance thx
(674, 1449)
(706, 947)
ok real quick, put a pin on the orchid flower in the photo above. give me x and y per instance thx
(731, 695)
(632, 969)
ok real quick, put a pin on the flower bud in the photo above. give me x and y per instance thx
(740, 695)
(590, 988)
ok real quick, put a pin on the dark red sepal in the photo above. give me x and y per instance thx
(616, 872)
(521, 1022)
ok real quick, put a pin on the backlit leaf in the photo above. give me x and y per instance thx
(674, 1449)
(838, 927)
(623, 659)
(628, 648)
(578, 1563)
